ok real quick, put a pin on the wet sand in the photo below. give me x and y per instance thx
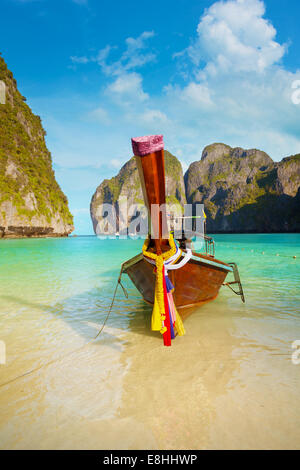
(220, 387)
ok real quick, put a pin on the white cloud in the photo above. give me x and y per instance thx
(236, 90)
(102, 56)
(153, 116)
(251, 111)
(132, 58)
(127, 88)
(197, 94)
(233, 36)
(116, 163)
(79, 60)
(100, 115)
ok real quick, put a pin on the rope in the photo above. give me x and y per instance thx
(112, 303)
(42, 366)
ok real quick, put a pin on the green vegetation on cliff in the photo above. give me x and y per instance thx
(245, 190)
(25, 163)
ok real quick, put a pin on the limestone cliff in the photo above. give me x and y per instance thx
(127, 184)
(31, 201)
(245, 191)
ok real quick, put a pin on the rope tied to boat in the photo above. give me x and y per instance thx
(165, 317)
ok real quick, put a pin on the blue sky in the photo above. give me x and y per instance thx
(198, 71)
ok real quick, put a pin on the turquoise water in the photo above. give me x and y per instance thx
(235, 358)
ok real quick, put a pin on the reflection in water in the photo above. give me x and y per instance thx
(229, 383)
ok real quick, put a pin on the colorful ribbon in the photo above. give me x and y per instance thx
(165, 317)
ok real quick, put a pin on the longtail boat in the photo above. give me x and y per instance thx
(169, 274)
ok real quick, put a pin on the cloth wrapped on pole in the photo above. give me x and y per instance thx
(165, 317)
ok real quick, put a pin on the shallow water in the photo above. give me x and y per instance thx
(228, 383)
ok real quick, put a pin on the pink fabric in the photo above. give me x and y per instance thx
(147, 144)
(172, 307)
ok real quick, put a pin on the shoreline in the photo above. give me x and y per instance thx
(24, 237)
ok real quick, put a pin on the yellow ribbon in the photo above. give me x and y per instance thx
(158, 312)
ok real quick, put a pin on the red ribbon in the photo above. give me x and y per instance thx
(167, 334)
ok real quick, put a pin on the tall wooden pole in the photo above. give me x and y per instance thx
(149, 153)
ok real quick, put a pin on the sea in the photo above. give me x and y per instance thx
(232, 382)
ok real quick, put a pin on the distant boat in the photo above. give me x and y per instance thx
(198, 281)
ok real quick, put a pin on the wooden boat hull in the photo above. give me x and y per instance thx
(196, 283)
